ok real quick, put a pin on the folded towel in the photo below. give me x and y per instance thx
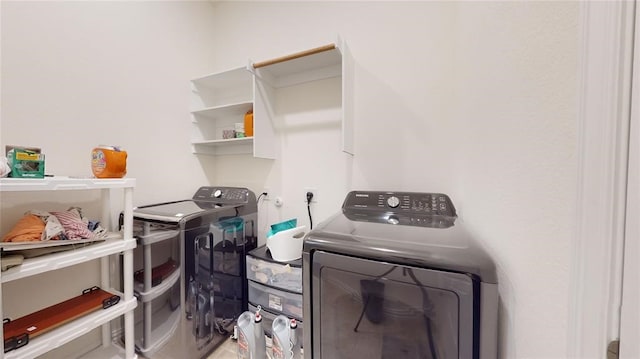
(29, 228)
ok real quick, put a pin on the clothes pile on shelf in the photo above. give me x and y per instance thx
(39, 232)
(38, 225)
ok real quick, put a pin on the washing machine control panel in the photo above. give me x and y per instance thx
(223, 194)
(409, 208)
(393, 201)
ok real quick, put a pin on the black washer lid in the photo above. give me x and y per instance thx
(206, 200)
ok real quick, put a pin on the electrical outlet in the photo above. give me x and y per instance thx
(315, 194)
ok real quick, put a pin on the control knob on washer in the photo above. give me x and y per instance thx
(217, 193)
(393, 201)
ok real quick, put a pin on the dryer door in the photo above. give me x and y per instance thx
(363, 308)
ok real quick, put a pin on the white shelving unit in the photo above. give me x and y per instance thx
(222, 99)
(305, 66)
(160, 319)
(101, 250)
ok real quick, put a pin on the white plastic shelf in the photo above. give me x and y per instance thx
(37, 265)
(164, 324)
(59, 183)
(158, 236)
(110, 352)
(53, 339)
(121, 243)
(158, 289)
(53, 245)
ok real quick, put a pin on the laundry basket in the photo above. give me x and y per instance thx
(286, 245)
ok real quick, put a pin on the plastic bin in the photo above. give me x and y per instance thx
(280, 301)
(262, 268)
(278, 275)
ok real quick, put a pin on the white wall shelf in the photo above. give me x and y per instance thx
(234, 146)
(223, 111)
(222, 99)
(311, 65)
(102, 250)
(323, 62)
(225, 142)
(223, 87)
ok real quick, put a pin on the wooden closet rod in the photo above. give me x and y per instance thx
(294, 56)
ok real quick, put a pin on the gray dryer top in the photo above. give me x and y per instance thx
(410, 228)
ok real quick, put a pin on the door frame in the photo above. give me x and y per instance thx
(603, 144)
(630, 306)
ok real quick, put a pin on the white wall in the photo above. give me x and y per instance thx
(474, 99)
(79, 74)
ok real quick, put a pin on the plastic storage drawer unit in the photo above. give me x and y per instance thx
(287, 303)
(286, 276)
(157, 286)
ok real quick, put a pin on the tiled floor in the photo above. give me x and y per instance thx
(228, 350)
(225, 351)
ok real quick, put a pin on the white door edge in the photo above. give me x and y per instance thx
(630, 308)
(603, 120)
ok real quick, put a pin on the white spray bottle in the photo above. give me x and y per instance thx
(260, 343)
(294, 340)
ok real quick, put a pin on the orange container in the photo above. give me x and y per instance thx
(248, 124)
(108, 162)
